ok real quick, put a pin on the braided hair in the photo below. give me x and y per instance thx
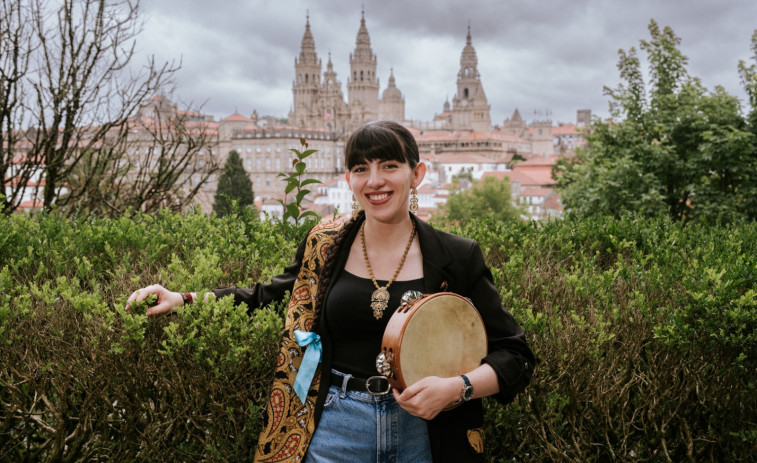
(327, 270)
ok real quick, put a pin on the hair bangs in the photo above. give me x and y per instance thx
(382, 141)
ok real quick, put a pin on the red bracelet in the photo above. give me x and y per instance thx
(187, 298)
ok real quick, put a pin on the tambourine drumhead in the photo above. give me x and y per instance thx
(438, 335)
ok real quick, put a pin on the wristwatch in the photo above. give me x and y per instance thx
(467, 389)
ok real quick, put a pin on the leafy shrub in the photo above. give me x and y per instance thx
(644, 328)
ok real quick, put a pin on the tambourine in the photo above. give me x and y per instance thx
(441, 334)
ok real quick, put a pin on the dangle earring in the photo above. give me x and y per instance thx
(355, 207)
(414, 201)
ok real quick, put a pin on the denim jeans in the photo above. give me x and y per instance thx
(358, 427)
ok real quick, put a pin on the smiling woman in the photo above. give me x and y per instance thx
(343, 278)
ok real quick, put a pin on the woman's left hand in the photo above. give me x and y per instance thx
(429, 396)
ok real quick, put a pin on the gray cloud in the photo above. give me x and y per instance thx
(552, 55)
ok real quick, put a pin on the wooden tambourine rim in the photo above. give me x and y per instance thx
(391, 343)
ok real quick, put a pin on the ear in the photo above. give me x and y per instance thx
(418, 174)
(347, 177)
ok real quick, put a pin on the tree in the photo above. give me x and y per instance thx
(490, 197)
(748, 74)
(162, 163)
(69, 103)
(671, 147)
(234, 185)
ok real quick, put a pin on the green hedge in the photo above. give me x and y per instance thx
(644, 330)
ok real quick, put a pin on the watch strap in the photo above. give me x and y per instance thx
(467, 389)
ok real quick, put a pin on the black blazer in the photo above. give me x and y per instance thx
(450, 263)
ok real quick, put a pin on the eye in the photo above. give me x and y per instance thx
(358, 169)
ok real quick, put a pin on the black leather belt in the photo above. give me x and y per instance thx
(375, 385)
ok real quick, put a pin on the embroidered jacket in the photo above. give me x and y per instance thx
(450, 263)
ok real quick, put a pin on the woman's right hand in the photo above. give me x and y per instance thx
(167, 300)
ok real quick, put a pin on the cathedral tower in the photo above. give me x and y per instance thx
(307, 70)
(332, 111)
(392, 104)
(362, 86)
(470, 109)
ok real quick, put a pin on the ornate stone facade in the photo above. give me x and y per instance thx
(320, 104)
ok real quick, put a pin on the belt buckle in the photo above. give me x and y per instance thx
(373, 392)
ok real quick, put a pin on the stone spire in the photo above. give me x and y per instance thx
(468, 60)
(307, 49)
(363, 51)
(470, 108)
(392, 103)
(363, 86)
(307, 71)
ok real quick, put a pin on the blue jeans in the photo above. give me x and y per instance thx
(358, 427)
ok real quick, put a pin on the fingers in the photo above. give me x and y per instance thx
(141, 294)
(159, 308)
(165, 300)
(426, 398)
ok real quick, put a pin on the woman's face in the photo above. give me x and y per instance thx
(383, 187)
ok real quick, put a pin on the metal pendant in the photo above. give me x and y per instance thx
(379, 302)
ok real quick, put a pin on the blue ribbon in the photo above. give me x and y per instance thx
(310, 361)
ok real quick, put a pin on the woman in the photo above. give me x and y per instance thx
(345, 282)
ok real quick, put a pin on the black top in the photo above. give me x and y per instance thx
(354, 331)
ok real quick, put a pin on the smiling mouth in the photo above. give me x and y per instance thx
(378, 197)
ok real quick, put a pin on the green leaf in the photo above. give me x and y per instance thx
(292, 211)
(301, 195)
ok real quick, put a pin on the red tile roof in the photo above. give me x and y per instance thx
(535, 192)
(539, 161)
(526, 179)
(236, 117)
(449, 158)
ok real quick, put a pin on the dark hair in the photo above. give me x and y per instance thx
(382, 140)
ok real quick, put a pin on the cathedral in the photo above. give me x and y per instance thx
(462, 132)
(320, 104)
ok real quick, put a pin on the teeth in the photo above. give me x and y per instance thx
(378, 197)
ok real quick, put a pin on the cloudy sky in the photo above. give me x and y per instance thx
(546, 57)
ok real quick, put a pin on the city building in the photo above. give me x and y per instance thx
(460, 142)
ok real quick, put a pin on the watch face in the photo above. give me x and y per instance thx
(468, 393)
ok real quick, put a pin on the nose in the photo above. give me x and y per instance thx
(376, 180)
